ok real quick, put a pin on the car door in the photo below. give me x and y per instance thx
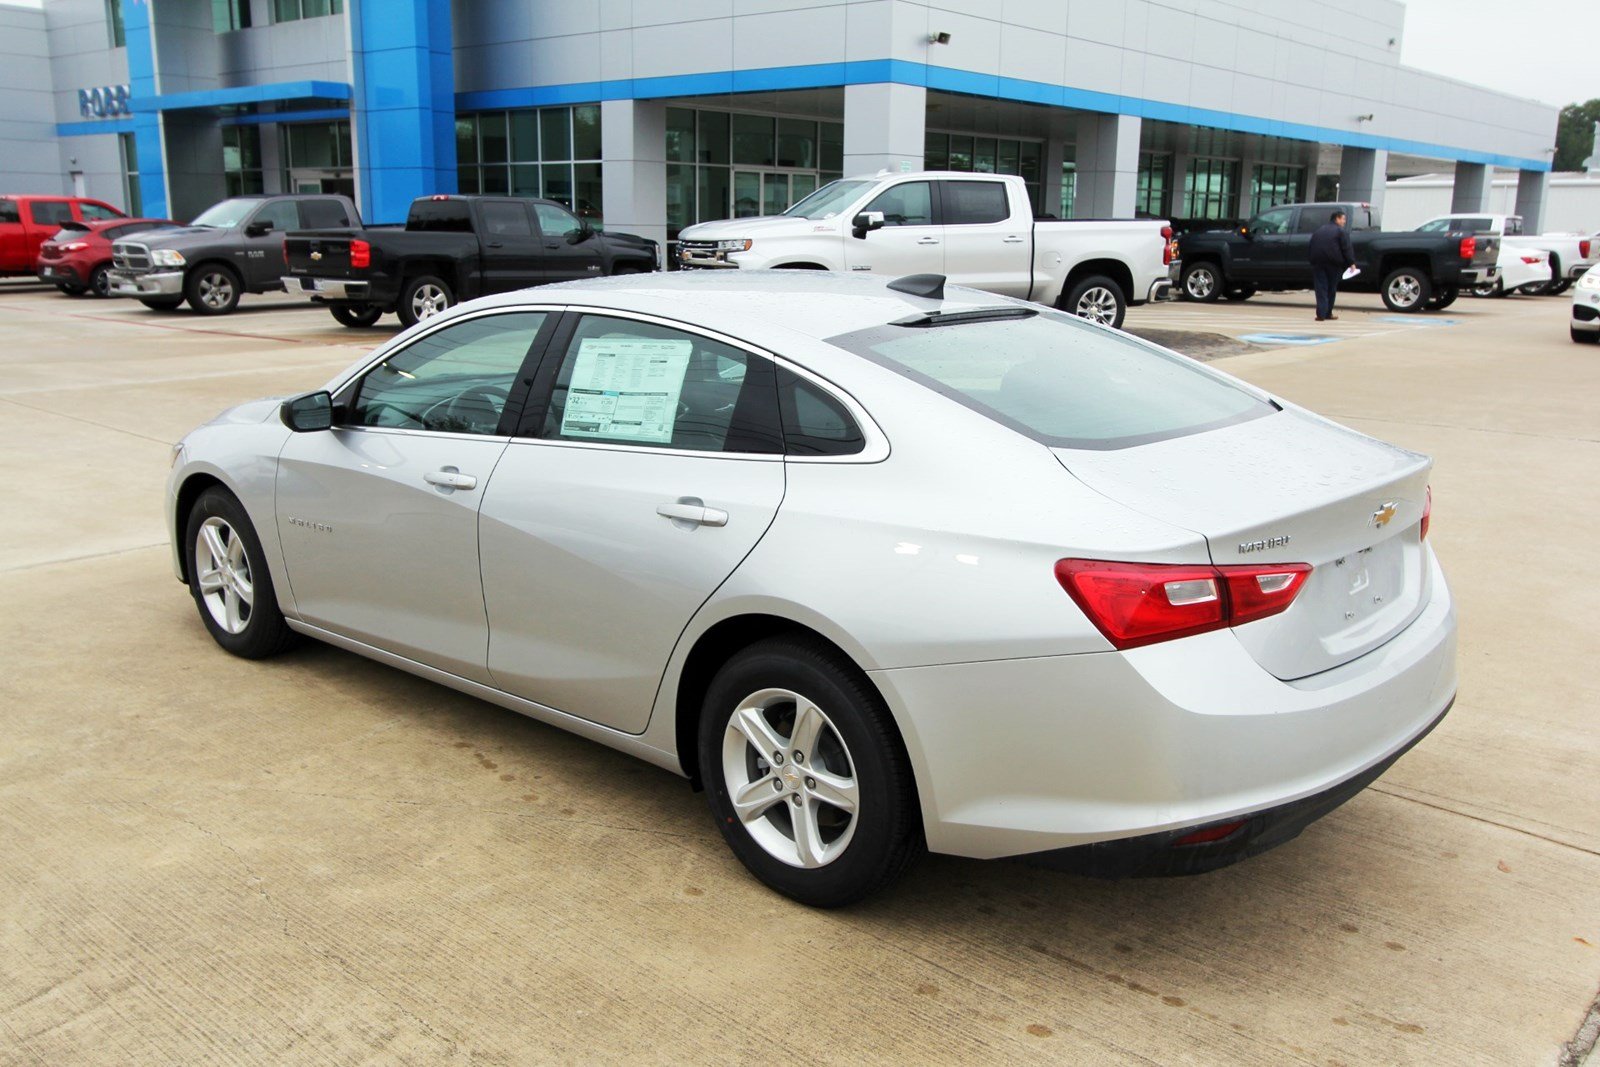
(511, 248)
(569, 250)
(911, 241)
(648, 465)
(13, 242)
(985, 246)
(1269, 242)
(378, 517)
(259, 255)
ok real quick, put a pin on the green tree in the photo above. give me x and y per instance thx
(1575, 134)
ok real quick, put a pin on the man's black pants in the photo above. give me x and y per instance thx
(1326, 281)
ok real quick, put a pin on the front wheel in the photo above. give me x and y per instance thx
(213, 289)
(423, 297)
(1201, 281)
(100, 280)
(1098, 299)
(805, 774)
(355, 316)
(229, 581)
(1406, 289)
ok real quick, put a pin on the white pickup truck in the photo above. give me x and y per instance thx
(975, 229)
(1571, 254)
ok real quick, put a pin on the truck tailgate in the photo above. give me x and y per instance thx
(319, 253)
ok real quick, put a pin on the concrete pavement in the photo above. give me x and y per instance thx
(318, 859)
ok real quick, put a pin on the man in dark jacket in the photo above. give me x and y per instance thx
(1331, 254)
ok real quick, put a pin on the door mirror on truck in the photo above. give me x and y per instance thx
(259, 228)
(864, 223)
(308, 412)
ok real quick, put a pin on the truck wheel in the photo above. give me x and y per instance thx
(162, 303)
(1446, 297)
(1493, 288)
(355, 316)
(1201, 281)
(1406, 289)
(213, 289)
(1240, 292)
(422, 298)
(1098, 299)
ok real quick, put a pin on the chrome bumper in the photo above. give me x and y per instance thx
(332, 288)
(153, 283)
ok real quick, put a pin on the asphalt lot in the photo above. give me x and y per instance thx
(319, 859)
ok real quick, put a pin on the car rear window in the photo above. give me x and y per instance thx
(1059, 380)
(440, 216)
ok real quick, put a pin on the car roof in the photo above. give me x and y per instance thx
(752, 303)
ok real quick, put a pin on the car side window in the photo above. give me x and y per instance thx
(906, 204)
(505, 219)
(97, 211)
(814, 423)
(556, 221)
(453, 380)
(1274, 221)
(1313, 219)
(50, 212)
(974, 203)
(283, 214)
(624, 382)
(322, 215)
(9, 212)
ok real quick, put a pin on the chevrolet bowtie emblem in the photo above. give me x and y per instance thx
(315, 256)
(1381, 517)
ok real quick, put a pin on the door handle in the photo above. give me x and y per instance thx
(450, 478)
(552, 244)
(690, 510)
(494, 244)
(1013, 240)
(928, 241)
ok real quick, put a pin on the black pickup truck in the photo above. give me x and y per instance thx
(453, 248)
(1411, 271)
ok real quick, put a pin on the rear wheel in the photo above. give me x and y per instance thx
(229, 581)
(1445, 298)
(805, 774)
(1559, 287)
(1406, 289)
(1493, 288)
(100, 280)
(162, 303)
(355, 316)
(1098, 299)
(423, 297)
(1201, 281)
(213, 289)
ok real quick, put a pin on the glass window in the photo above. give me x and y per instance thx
(1059, 380)
(974, 203)
(524, 179)
(1208, 191)
(636, 383)
(119, 37)
(1272, 184)
(680, 135)
(1275, 221)
(440, 216)
(814, 423)
(555, 133)
(984, 155)
(715, 192)
(831, 154)
(50, 212)
(680, 198)
(225, 215)
(746, 194)
(557, 182)
(291, 10)
(130, 173)
(506, 219)
(774, 194)
(494, 145)
(936, 151)
(828, 201)
(323, 215)
(1150, 194)
(960, 153)
(525, 137)
(282, 214)
(467, 179)
(229, 15)
(98, 211)
(467, 140)
(1069, 188)
(555, 221)
(711, 140)
(9, 212)
(494, 181)
(797, 143)
(906, 204)
(1030, 161)
(588, 183)
(586, 132)
(752, 140)
(454, 380)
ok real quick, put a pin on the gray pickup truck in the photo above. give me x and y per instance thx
(231, 248)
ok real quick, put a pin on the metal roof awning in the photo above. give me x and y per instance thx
(245, 95)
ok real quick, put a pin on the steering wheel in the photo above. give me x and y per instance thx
(474, 410)
(374, 407)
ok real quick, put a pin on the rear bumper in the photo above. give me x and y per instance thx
(1478, 275)
(1155, 741)
(154, 283)
(59, 273)
(329, 288)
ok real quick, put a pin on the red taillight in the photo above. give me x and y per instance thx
(360, 254)
(1135, 604)
(1209, 834)
(1531, 259)
(1166, 246)
(1427, 513)
(285, 251)
(72, 246)
(1583, 249)
(1469, 247)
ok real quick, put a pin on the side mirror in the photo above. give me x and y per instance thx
(865, 223)
(258, 229)
(581, 234)
(308, 412)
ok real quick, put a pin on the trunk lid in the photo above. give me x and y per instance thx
(1290, 487)
(317, 254)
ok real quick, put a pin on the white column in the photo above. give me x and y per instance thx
(1363, 173)
(884, 127)
(1108, 166)
(1532, 187)
(633, 178)
(1470, 195)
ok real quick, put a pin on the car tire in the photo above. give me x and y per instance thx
(1583, 338)
(1201, 281)
(1444, 298)
(1486, 289)
(162, 303)
(68, 289)
(1559, 287)
(213, 289)
(100, 281)
(1406, 289)
(229, 580)
(1240, 292)
(1098, 299)
(423, 297)
(355, 316)
(831, 856)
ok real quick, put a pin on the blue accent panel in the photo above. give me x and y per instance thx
(87, 129)
(950, 79)
(242, 94)
(147, 142)
(404, 103)
(286, 118)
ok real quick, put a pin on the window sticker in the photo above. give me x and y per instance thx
(626, 389)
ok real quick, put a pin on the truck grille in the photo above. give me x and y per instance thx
(129, 255)
(692, 254)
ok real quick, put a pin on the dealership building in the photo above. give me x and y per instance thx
(652, 116)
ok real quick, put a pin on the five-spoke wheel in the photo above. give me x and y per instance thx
(229, 579)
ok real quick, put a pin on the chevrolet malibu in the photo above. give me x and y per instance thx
(885, 566)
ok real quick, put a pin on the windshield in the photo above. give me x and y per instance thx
(226, 215)
(1058, 380)
(828, 201)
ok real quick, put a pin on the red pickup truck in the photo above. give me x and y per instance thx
(26, 222)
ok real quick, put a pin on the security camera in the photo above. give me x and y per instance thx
(938, 38)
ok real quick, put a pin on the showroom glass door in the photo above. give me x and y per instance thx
(769, 192)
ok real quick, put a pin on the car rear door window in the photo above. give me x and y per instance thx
(457, 379)
(505, 218)
(974, 203)
(50, 212)
(906, 204)
(625, 382)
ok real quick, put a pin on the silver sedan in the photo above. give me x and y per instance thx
(885, 567)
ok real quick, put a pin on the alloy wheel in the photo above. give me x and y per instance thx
(428, 300)
(790, 778)
(1200, 283)
(224, 574)
(1404, 290)
(1098, 304)
(216, 290)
